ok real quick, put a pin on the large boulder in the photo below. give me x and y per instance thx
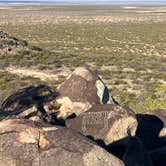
(25, 142)
(105, 122)
(79, 92)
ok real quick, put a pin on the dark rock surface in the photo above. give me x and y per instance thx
(28, 103)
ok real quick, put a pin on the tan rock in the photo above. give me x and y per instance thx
(24, 142)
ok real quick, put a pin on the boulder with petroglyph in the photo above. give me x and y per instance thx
(80, 92)
(24, 142)
(105, 122)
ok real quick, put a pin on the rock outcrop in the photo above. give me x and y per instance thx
(12, 45)
(24, 142)
(97, 131)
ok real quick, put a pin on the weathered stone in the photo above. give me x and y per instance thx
(106, 122)
(24, 142)
(81, 91)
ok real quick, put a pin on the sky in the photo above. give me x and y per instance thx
(91, 0)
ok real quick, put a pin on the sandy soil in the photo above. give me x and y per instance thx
(42, 75)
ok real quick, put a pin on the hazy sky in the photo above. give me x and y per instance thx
(90, 1)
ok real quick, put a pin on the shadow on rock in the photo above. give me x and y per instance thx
(147, 148)
(27, 102)
(148, 130)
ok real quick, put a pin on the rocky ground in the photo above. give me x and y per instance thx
(12, 45)
(78, 124)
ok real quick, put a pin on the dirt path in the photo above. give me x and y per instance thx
(42, 75)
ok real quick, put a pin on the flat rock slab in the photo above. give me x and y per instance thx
(105, 122)
(24, 142)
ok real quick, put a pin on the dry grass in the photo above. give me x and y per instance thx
(125, 44)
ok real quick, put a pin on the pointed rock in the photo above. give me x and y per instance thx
(81, 91)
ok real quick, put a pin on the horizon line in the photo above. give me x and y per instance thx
(82, 2)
